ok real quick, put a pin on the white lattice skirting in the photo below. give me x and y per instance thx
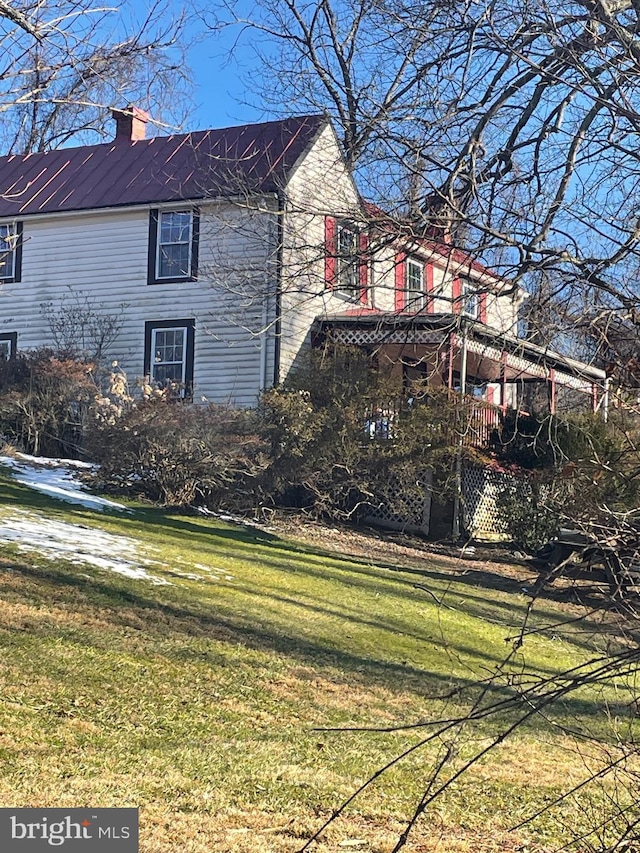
(482, 516)
(481, 490)
(416, 508)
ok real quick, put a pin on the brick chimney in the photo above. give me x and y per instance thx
(131, 123)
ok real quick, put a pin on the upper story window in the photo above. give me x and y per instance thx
(414, 284)
(470, 300)
(10, 251)
(348, 273)
(173, 246)
(346, 269)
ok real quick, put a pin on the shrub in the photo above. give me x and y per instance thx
(179, 454)
(44, 401)
(342, 442)
(529, 514)
(551, 441)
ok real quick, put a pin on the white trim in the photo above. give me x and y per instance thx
(188, 242)
(469, 292)
(411, 294)
(349, 263)
(12, 232)
(153, 362)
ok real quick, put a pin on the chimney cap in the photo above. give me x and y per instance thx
(131, 123)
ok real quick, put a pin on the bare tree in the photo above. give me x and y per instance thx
(63, 62)
(516, 119)
(82, 328)
(513, 125)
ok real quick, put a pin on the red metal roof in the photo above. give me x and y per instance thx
(380, 219)
(253, 158)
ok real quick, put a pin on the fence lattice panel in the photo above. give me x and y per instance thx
(401, 511)
(481, 490)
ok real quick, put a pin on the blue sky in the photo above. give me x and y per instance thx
(218, 63)
(218, 93)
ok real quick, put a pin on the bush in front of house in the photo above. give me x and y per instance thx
(344, 441)
(552, 441)
(178, 454)
(45, 397)
(528, 508)
(575, 471)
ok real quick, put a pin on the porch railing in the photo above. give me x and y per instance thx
(468, 420)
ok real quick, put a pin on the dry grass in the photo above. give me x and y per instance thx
(202, 701)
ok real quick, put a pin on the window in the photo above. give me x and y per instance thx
(10, 251)
(346, 269)
(8, 344)
(168, 356)
(173, 245)
(348, 263)
(470, 300)
(414, 285)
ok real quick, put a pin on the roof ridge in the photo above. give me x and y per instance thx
(123, 141)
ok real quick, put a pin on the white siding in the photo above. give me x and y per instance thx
(103, 257)
(319, 186)
(502, 307)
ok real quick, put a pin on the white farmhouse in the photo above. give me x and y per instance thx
(225, 253)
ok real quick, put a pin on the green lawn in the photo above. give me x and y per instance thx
(203, 700)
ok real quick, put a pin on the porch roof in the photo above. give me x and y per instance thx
(522, 357)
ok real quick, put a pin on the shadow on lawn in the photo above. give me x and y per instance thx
(247, 537)
(367, 574)
(316, 562)
(126, 608)
(587, 595)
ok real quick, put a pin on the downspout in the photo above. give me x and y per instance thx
(455, 527)
(277, 325)
(263, 344)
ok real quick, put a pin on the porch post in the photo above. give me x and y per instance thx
(503, 382)
(463, 366)
(605, 400)
(552, 401)
(450, 363)
(455, 527)
(594, 397)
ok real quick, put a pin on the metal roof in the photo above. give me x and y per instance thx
(255, 158)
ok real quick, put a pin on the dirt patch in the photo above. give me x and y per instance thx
(383, 547)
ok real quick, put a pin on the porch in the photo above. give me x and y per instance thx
(471, 377)
(485, 373)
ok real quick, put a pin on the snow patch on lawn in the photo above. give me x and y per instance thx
(62, 540)
(56, 478)
(78, 543)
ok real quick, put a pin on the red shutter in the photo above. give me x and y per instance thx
(330, 252)
(428, 281)
(456, 293)
(482, 307)
(363, 268)
(400, 280)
